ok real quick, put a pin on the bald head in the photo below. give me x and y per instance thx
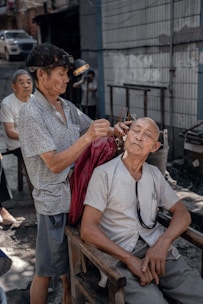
(150, 123)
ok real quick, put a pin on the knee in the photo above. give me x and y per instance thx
(147, 294)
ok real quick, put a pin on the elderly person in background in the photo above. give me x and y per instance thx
(22, 86)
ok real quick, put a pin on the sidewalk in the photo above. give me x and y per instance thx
(18, 241)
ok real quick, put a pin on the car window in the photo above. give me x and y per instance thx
(15, 35)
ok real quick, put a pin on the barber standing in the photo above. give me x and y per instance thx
(53, 133)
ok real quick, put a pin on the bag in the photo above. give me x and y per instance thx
(5, 192)
(97, 153)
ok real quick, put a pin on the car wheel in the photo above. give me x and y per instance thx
(8, 57)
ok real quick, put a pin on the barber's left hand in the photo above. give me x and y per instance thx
(121, 128)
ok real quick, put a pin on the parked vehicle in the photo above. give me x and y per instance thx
(15, 43)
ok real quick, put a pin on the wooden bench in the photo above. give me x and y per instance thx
(21, 172)
(86, 262)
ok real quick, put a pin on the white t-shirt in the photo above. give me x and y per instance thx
(91, 95)
(112, 191)
(10, 108)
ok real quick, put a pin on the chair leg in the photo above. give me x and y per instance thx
(20, 174)
(22, 171)
(30, 185)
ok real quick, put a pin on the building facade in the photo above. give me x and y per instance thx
(155, 46)
(149, 43)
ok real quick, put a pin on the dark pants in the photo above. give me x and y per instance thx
(180, 283)
(17, 152)
(5, 193)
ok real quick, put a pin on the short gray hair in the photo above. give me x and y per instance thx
(18, 73)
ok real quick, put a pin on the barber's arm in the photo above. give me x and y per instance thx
(156, 255)
(58, 161)
(92, 234)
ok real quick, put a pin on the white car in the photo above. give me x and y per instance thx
(15, 43)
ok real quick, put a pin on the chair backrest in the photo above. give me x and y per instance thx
(160, 157)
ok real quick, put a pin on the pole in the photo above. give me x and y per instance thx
(171, 71)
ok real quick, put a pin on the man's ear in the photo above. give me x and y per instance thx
(156, 147)
(40, 73)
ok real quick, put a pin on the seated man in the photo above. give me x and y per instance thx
(121, 206)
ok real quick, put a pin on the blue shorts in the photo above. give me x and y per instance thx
(51, 246)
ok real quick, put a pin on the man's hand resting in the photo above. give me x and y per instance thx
(135, 265)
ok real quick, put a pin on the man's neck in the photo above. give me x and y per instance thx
(52, 99)
(134, 167)
(22, 98)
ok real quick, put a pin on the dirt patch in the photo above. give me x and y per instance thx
(18, 242)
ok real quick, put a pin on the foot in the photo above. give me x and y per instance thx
(7, 218)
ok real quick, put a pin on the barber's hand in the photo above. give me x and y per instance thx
(98, 128)
(155, 259)
(121, 128)
(134, 264)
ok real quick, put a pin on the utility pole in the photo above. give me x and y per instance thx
(18, 15)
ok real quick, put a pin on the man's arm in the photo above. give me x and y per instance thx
(156, 255)
(10, 130)
(92, 234)
(78, 83)
(58, 161)
(7, 118)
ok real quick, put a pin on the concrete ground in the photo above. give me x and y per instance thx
(18, 241)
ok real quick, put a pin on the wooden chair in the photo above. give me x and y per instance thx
(87, 261)
(160, 157)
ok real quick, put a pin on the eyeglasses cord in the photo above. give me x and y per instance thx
(139, 212)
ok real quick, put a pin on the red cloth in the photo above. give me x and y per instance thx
(97, 153)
